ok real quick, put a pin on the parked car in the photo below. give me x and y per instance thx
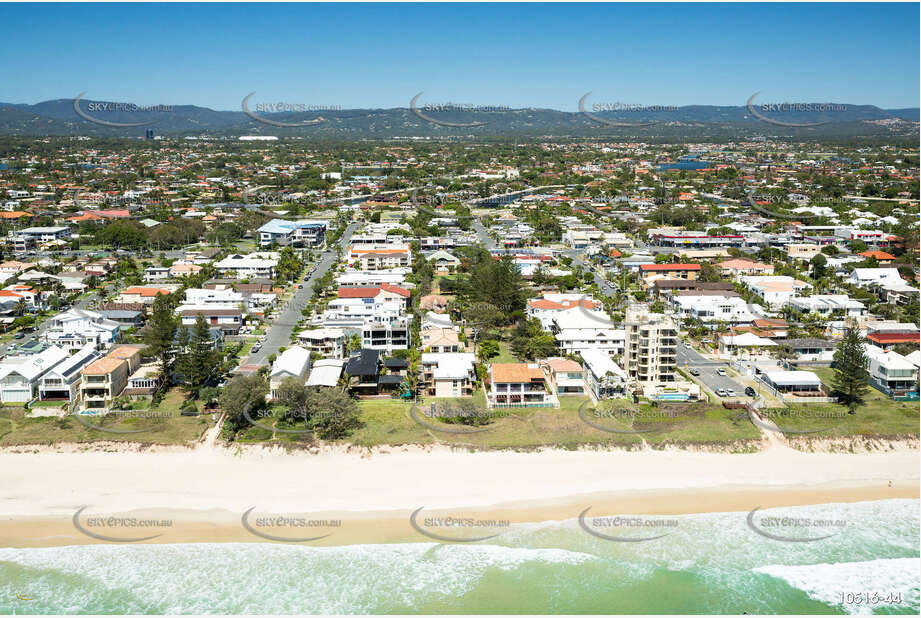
(18, 336)
(749, 391)
(721, 371)
(730, 392)
(722, 392)
(695, 372)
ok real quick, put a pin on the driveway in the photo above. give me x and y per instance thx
(279, 333)
(688, 358)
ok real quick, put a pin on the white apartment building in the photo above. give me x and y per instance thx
(386, 334)
(651, 346)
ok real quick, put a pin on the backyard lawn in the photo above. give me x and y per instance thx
(879, 416)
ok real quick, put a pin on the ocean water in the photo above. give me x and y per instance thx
(707, 563)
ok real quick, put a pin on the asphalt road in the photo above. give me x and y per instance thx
(688, 358)
(483, 235)
(606, 288)
(279, 333)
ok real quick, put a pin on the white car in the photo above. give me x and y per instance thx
(721, 371)
(730, 392)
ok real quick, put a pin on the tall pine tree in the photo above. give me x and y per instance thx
(850, 379)
(161, 329)
(200, 361)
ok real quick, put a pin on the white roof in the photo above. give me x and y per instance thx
(580, 317)
(890, 360)
(915, 358)
(599, 363)
(747, 340)
(325, 372)
(30, 367)
(450, 365)
(321, 333)
(294, 360)
(793, 378)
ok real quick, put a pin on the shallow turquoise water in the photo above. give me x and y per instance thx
(708, 563)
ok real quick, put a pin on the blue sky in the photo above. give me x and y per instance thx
(519, 55)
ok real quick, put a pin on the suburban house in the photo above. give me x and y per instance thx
(377, 258)
(292, 363)
(812, 350)
(443, 262)
(650, 272)
(438, 340)
(737, 267)
(545, 308)
(828, 305)
(448, 374)
(887, 335)
(364, 369)
(328, 342)
(749, 343)
(326, 372)
(383, 293)
(20, 375)
(603, 377)
(63, 380)
(776, 290)
(798, 383)
(564, 376)
(305, 232)
(434, 302)
(106, 378)
(726, 307)
(514, 385)
(142, 294)
(228, 320)
(865, 277)
(249, 266)
(76, 328)
(892, 373)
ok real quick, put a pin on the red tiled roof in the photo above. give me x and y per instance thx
(667, 267)
(894, 337)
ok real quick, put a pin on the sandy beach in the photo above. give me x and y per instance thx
(203, 493)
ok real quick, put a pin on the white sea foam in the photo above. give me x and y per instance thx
(827, 582)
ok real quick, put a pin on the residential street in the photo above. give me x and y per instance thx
(279, 334)
(483, 235)
(688, 358)
(606, 288)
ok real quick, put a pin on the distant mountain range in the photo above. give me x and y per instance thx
(58, 117)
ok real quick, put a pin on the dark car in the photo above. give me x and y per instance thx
(749, 391)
